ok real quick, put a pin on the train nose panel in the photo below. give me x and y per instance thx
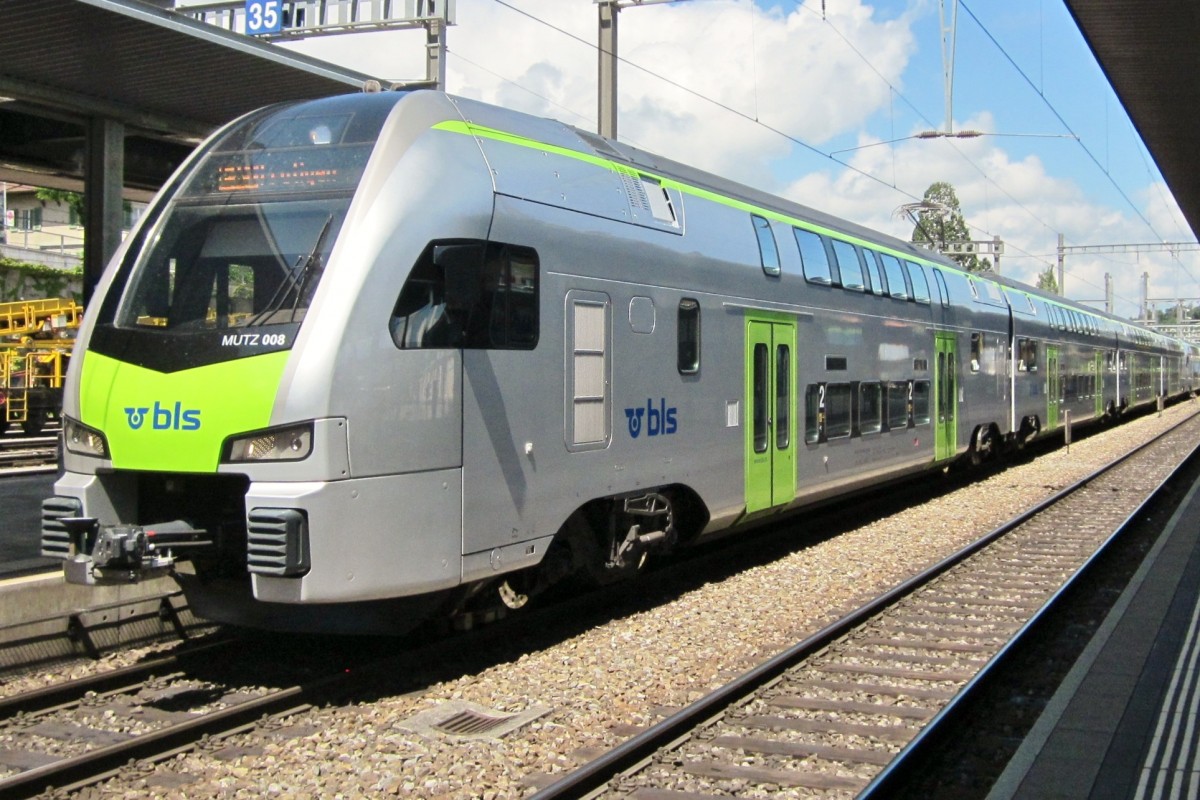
(177, 421)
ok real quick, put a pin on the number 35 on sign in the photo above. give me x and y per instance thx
(263, 16)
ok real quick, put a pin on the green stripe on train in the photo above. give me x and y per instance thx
(176, 422)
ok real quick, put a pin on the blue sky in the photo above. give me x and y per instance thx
(762, 92)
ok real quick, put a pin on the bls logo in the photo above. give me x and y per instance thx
(659, 420)
(164, 418)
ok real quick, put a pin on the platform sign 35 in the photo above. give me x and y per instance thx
(263, 16)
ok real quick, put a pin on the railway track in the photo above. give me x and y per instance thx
(19, 453)
(83, 731)
(835, 713)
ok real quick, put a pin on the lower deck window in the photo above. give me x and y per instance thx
(897, 405)
(837, 410)
(1026, 355)
(920, 401)
(813, 413)
(870, 408)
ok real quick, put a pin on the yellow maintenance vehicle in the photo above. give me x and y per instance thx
(36, 337)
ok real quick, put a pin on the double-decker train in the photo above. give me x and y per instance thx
(372, 358)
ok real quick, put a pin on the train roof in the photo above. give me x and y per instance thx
(542, 131)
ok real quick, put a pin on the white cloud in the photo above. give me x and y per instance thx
(696, 75)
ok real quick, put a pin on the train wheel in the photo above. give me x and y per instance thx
(982, 445)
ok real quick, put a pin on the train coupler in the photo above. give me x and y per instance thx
(125, 553)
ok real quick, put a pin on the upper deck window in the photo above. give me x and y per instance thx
(875, 272)
(897, 286)
(943, 290)
(813, 257)
(850, 265)
(920, 285)
(768, 252)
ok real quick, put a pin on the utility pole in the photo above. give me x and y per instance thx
(607, 113)
(1062, 251)
(949, 39)
(607, 51)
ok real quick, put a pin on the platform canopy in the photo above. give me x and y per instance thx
(168, 79)
(1148, 50)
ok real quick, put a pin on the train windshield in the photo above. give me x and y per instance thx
(245, 240)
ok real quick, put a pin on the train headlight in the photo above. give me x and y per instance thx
(79, 438)
(290, 443)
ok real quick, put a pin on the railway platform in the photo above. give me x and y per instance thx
(1123, 723)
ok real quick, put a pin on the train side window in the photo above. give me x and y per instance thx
(814, 395)
(688, 356)
(920, 402)
(760, 378)
(837, 410)
(870, 408)
(768, 252)
(875, 272)
(783, 396)
(897, 405)
(943, 291)
(850, 266)
(976, 350)
(920, 285)
(897, 287)
(813, 257)
(1027, 355)
(986, 292)
(468, 294)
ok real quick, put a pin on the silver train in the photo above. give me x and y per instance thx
(374, 358)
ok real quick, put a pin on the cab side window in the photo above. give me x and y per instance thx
(476, 295)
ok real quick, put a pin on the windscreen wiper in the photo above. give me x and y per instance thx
(296, 279)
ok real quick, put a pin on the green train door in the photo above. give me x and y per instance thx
(770, 401)
(1098, 386)
(1053, 388)
(945, 390)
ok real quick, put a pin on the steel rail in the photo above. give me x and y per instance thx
(64, 693)
(593, 775)
(899, 769)
(98, 764)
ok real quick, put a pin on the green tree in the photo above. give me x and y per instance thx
(1047, 281)
(72, 199)
(943, 222)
